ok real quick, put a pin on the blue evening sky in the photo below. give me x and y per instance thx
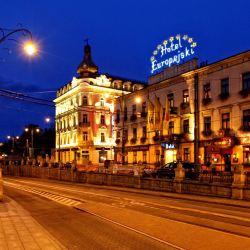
(123, 35)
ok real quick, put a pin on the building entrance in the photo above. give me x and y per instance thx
(227, 162)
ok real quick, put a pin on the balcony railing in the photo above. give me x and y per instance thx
(144, 114)
(173, 111)
(133, 140)
(143, 139)
(133, 117)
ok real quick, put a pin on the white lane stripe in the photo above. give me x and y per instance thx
(56, 198)
(134, 230)
(149, 203)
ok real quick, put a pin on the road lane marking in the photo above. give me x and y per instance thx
(149, 203)
(57, 198)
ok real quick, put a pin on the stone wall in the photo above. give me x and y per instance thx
(181, 185)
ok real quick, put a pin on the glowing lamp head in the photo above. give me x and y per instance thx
(47, 119)
(30, 48)
(138, 100)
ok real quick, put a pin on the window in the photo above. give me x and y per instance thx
(186, 155)
(144, 156)
(133, 109)
(125, 135)
(118, 116)
(246, 154)
(143, 107)
(85, 136)
(85, 101)
(125, 114)
(171, 128)
(171, 100)
(224, 84)
(102, 119)
(144, 132)
(134, 133)
(102, 102)
(135, 157)
(246, 119)
(186, 126)
(85, 118)
(102, 137)
(207, 91)
(225, 121)
(118, 134)
(185, 96)
(246, 81)
(157, 156)
(207, 124)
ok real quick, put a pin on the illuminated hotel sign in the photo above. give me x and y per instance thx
(172, 51)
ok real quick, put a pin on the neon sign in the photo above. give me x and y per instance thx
(172, 51)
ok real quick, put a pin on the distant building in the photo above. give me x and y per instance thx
(189, 113)
(84, 113)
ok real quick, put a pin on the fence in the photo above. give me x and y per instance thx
(220, 185)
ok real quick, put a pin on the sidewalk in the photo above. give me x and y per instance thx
(18, 230)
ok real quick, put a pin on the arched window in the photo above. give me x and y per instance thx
(102, 102)
(85, 101)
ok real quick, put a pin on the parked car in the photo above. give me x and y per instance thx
(168, 170)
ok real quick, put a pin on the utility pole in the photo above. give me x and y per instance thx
(196, 119)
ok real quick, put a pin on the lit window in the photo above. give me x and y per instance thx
(186, 154)
(102, 137)
(102, 102)
(225, 121)
(185, 96)
(85, 136)
(135, 157)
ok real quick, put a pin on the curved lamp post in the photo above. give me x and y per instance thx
(29, 46)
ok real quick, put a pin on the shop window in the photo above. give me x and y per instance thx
(102, 156)
(85, 136)
(224, 84)
(102, 120)
(186, 126)
(246, 120)
(246, 155)
(185, 96)
(171, 128)
(102, 137)
(186, 155)
(225, 121)
(246, 81)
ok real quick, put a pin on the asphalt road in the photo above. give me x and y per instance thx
(91, 217)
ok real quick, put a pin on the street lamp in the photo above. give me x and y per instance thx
(13, 138)
(32, 130)
(29, 46)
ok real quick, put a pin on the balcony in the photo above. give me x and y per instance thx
(133, 140)
(185, 108)
(144, 114)
(226, 132)
(118, 141)
(223, 96)
(143, 139)
(245, 128)
(207, 133)
(173, 111)
(84, 124)
(206, 101)
(244, 92)
(133, 117)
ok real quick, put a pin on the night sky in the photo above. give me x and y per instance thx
(122, 34)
